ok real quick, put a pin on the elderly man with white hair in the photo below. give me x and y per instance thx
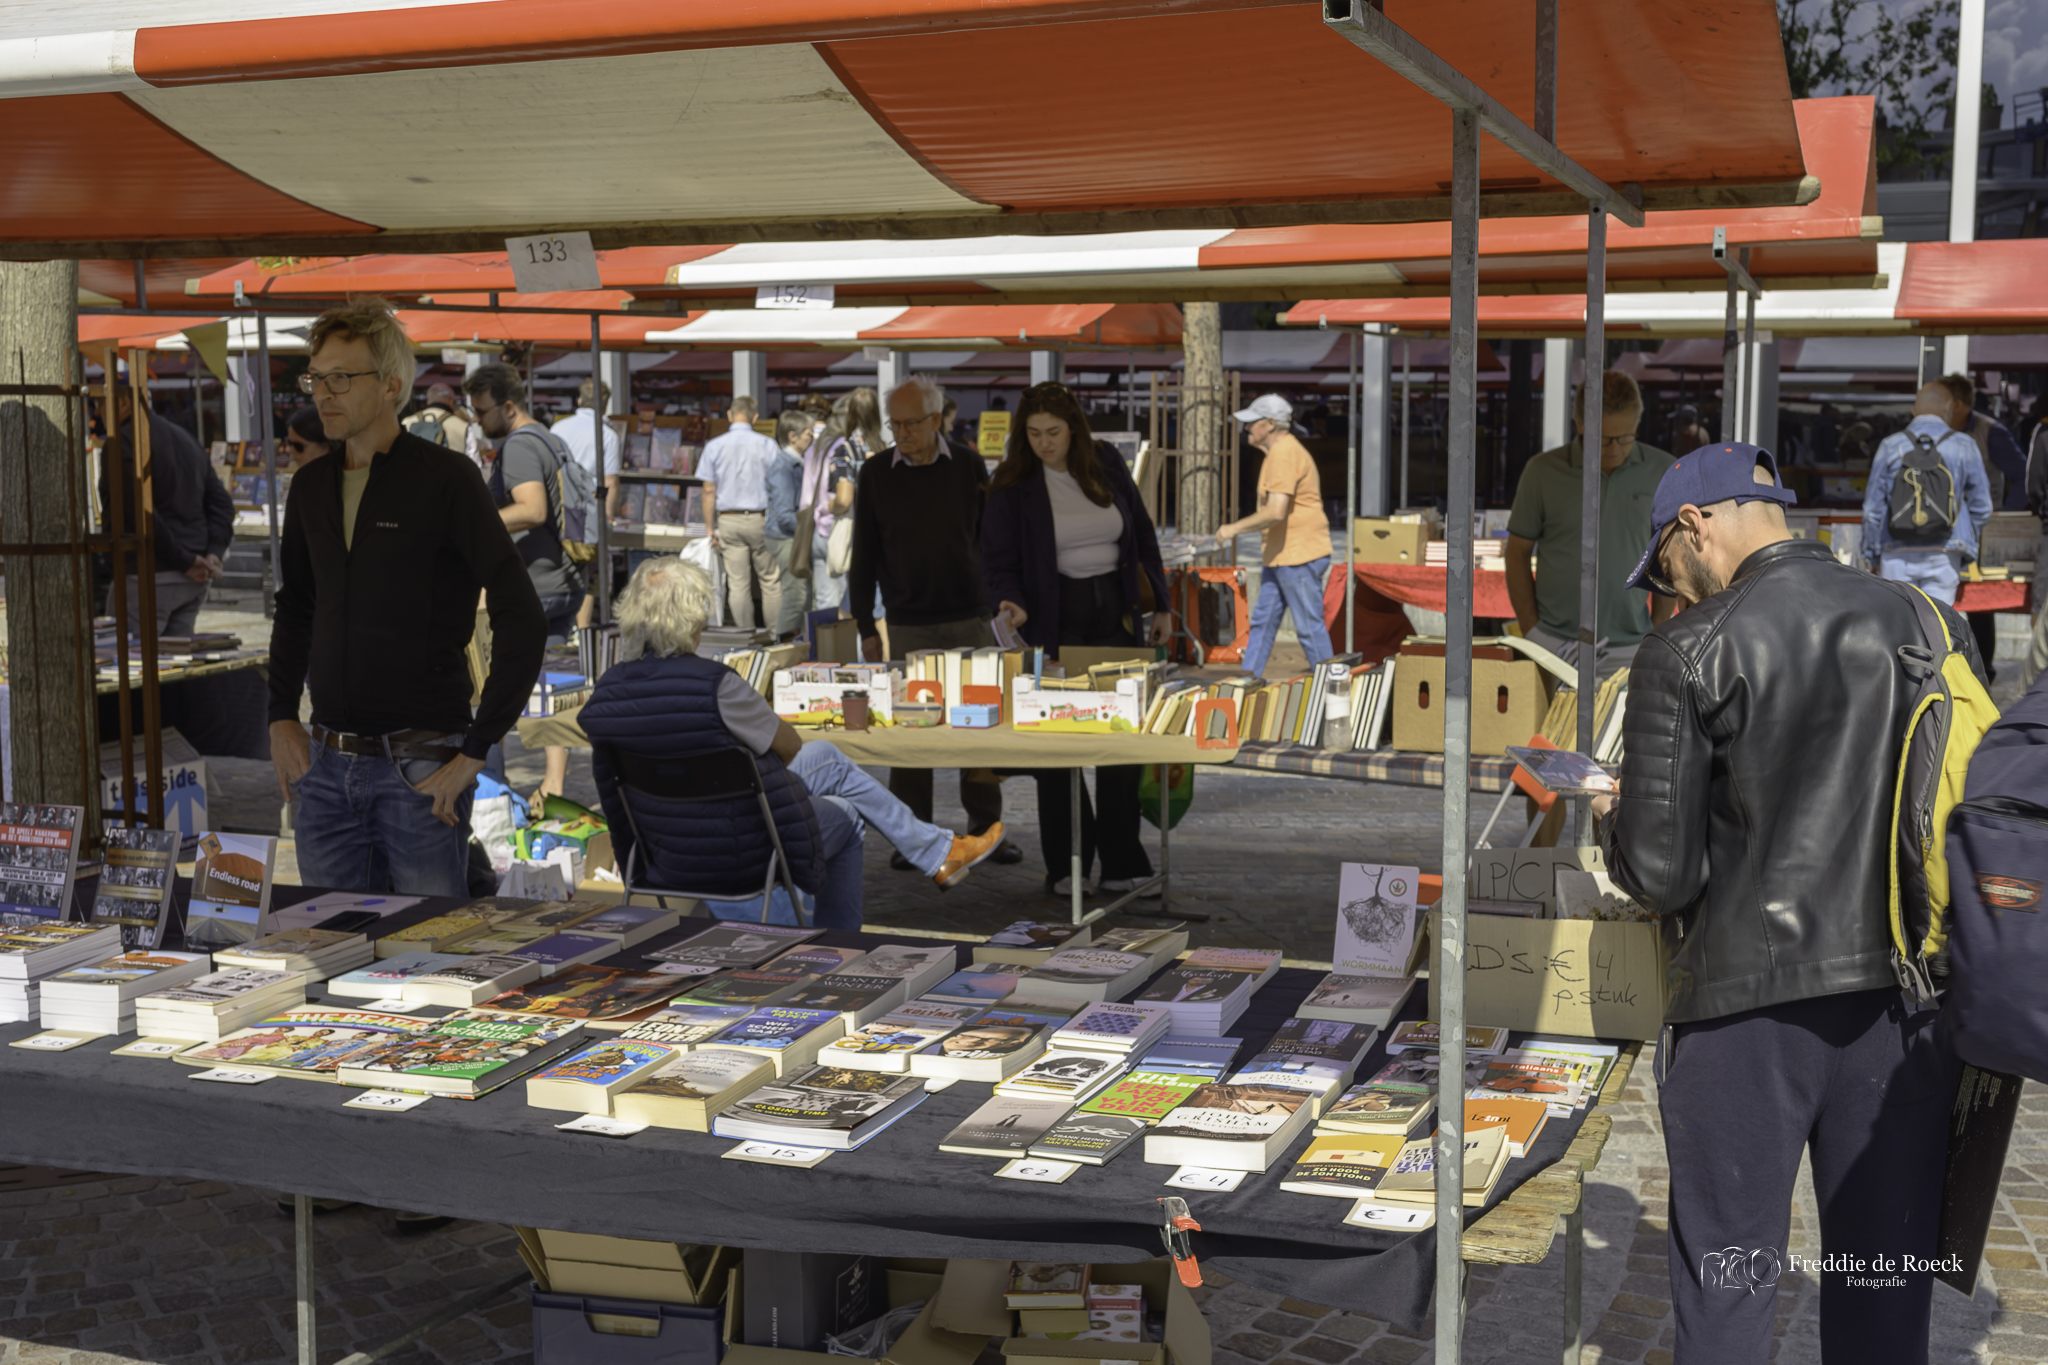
(663, 701)
(917, 536)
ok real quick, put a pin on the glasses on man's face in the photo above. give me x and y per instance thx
(1656, 576)
(1609, 442)
(335, 382)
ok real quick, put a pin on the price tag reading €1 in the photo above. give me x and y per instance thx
(1366, 1214)
(1034, 1168)
(386, 1099)
(777, 1154)
(231, 1076)
(602, 1126)
(553, 261)
(1204, 1178)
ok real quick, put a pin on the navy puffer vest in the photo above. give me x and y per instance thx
(668, 708)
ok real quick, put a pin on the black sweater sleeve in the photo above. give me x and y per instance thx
(860, 574)
(291, 631)
(519, 629)
(219, 510)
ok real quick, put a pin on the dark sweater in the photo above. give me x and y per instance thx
(917, 533)
(192, 514)
(379, 629)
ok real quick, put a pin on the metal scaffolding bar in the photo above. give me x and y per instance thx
(1593, 451)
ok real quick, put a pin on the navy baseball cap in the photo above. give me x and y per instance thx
(1709, 475)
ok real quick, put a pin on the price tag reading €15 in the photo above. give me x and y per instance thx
(386, 1099)
(1034, 1168)
(231, 1076)
(602, 1126)
(553, 261)
(56, 1041)
(777, 1154)
(1204, 1178)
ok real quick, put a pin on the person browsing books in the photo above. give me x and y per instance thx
(662, 700)
(736, 468)
(1068, 554)
(1295, 544)
(387, 543)
(1762, 734)
(191, 515)
(917, 541)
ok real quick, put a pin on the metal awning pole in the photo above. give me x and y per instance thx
(1404, 421)
(603, 614)
(1749, 359)
(1450, 964)
(1593, 449)
(266, 424)
(1731, 359)
(1357, 425)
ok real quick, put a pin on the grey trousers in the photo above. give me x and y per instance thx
(177, 605)
(743, 544)
(913, 786)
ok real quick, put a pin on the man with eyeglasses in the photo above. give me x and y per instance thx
(1762, 734)
(917, 535)
(193, 518)
(1546, 524)
(387, 542)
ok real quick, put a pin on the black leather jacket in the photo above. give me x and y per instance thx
(1762, 750)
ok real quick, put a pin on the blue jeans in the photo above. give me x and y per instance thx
(1298, 590)
(827, 589)
(847, 802)
(362, 827)
(1938, 573)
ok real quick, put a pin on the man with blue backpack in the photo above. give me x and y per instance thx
(1926, 500)
(1775, 729)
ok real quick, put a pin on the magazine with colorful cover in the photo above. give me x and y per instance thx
(735, 945)
(309, 1041)
(466, 1054)
(230, 889)
(602, 996)
(1145, 1095)
(38, 860)
(887, 1043)
(138, 874)
(682, 1024)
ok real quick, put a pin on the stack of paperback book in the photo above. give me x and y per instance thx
(1207, 1058)
(320, 953)
(994, 1047)
(603, 997)
(735, 945)
(1315, 1056)
(789, 1038)
(31, 954)
(208, 1008)
(306, 1041)
(1068, 1076)
(836, 1108)
(468, 980)
(100, 997)
(888, 1043)
(687, 1089)
(385, 977)
(1075, 976)
(1030, 942)
(1113, 1027)
(1211, 988)
(1229, 1128)
(585, 1081)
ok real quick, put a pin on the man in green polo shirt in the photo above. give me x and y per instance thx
(1545, 523)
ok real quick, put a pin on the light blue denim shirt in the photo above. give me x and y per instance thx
(1965, 466)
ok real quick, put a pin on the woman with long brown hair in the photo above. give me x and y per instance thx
(1067, 550)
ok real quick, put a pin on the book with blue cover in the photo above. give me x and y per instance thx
(585, 1081)
(557, 952)
(1211, 1056)
(791, 1037)
(984, 984)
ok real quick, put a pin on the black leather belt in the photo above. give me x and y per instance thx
(397, 744)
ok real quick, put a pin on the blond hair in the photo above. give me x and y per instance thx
(370, 320)
(663, 609)
(1618, 394)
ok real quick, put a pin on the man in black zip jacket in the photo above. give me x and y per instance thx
(1763, 737)
(385, 548)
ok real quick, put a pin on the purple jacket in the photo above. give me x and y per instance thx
(1019, 561)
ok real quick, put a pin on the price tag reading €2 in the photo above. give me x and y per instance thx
(553, 261)
(1204, 1178)
(602, 1126)
(777, 1154)
(1035, 1168)
(389, 1100)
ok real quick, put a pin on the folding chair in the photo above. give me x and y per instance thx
(721, 775)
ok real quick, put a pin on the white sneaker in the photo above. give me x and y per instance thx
(1117, 886)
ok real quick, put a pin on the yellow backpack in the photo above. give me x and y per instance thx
(1951, 711)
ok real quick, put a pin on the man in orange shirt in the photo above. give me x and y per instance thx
(1296, 548)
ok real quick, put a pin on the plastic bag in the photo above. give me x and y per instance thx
(873, 1340)
(1180, 792)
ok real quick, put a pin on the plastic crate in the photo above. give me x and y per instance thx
(563, 1333)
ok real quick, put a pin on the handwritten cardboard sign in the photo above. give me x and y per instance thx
(1586, 978)
(1527, 874)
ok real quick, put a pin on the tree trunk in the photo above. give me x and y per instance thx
(1201, 419)
(54, 754)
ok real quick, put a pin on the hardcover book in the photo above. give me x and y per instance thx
(38, 860)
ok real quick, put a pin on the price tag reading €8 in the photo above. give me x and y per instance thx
(387, 1100)
(553, 261)
(1204, 1178)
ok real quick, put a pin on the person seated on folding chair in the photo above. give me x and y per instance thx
(662, 701)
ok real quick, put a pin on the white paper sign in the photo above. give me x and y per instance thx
(934, 1084)
(392, 1006)
(231, 1076)
(56, 1041)
(777, 1153)
(1037, 1169)
(685, 968)
(1204, 1178)
(1366, 1214)
(794, 296)
(602, 1126)
(553, 261)
(386, 1099)
(151, 1047)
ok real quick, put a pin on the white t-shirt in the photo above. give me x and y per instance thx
(575, 433)
(1085, 536)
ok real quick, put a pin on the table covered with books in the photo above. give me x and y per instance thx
(495, 1158)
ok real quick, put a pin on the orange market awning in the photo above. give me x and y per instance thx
(318, 130)
(509, 323)
(1976, 286)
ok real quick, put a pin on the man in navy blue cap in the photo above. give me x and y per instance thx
(1761, 752)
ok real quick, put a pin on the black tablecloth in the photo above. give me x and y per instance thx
(497, 1160)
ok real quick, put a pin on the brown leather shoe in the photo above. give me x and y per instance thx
(968, 849)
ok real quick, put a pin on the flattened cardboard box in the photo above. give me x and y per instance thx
(1509, 702)
(1586, 978)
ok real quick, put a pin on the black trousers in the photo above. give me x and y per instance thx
(981, 794)
(1867, 1085)
(1092, 612)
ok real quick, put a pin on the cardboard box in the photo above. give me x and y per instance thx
(621, 1281)
(922, 1343)
(970, 1302)
(184, 774)
(1585, 978)
(1527, 874)
(583, 1263)
(1509, 699)
(1382, 540)
(800, 700)
(1074, 709)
